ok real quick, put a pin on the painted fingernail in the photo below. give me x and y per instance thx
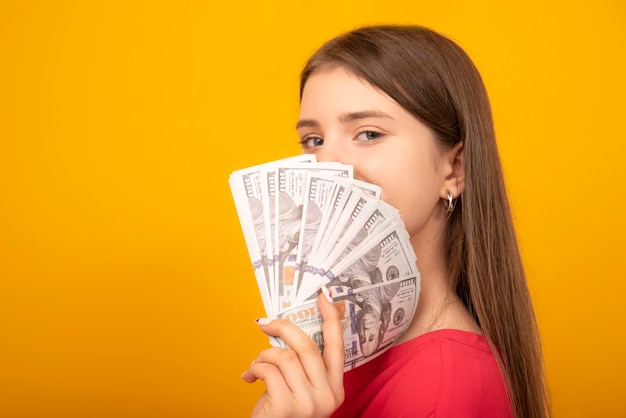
(327, 294)
(262, 321)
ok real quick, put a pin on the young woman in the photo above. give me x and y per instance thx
(408, 109)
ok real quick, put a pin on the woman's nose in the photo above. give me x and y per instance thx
(333, 151)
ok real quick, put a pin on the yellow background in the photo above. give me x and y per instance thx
(125, 288)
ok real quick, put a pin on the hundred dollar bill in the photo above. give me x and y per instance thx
(373, 316)
(387, 254)
(358, 205)
(337, 200)
(340, 198)
(318, 193)
(268, 185)
(367, 220)
(291, 181)
(249, 201)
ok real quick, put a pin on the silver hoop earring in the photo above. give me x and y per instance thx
(449, 204)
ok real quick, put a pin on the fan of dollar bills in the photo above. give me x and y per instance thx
(308, 224)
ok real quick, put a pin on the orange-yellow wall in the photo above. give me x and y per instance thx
(125, 288)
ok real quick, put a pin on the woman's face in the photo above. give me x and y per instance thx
(345, 119)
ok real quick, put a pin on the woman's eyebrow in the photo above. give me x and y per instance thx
(346, 117)
(307, 123)
(364, 114)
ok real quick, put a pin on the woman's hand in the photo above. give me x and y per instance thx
(299, 381)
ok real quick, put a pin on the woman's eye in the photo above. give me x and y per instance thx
(311, 142)
(366, 136)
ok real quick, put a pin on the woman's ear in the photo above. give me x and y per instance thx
(453, 171)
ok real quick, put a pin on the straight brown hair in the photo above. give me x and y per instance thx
(435, 80)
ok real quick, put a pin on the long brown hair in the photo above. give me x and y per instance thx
(434, 79)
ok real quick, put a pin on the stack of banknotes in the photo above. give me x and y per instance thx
(308, 224)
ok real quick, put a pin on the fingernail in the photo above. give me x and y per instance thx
(262, 321)
(327, 294)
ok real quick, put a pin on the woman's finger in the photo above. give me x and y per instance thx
(315, 366)
(277, 400)
(288, 363)
(333, 354)
(271, 375)
(303, 346)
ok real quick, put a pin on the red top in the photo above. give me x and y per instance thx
(441, 374)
